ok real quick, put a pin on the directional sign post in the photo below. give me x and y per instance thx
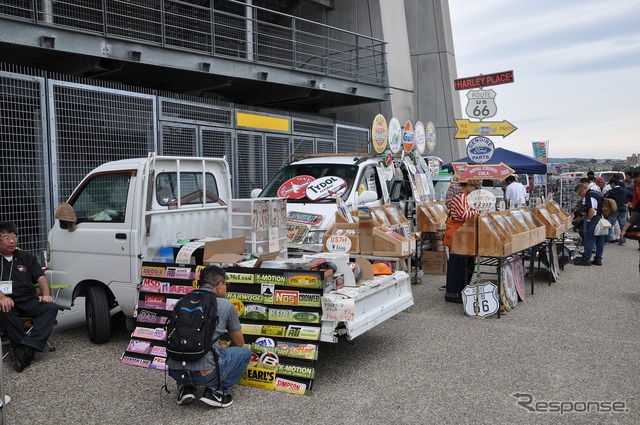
(467, 128)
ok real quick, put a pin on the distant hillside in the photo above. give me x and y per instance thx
(569, 160)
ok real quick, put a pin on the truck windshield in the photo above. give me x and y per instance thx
(312, 182)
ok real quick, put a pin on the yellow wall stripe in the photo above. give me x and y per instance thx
(263, 122)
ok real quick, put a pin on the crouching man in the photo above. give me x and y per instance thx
(232, 360)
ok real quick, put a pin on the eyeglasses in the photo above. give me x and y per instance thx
(224, 282)
(9, 238)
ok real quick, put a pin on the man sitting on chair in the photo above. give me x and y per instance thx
(18, 273)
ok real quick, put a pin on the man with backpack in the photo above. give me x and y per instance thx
(593, 204)
(218, 369)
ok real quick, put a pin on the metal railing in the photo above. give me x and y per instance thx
(230, 29)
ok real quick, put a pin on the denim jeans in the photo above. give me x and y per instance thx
(621, 218)
(459, 274)
(233, 362)
(590, 240)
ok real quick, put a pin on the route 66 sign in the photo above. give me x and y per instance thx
(480, 300)
(482, 104)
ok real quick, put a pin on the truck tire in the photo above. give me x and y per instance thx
(98, 315)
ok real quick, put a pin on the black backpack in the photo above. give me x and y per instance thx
(191, 326)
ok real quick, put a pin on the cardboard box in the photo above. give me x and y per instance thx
(224, 251)
(434, 262)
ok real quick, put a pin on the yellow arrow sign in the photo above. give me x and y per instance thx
(468, 128)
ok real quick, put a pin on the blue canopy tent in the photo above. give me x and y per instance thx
(521, 164)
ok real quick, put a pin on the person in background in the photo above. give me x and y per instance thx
(602, 184)
(19, 272)
(459, 267)
(453, 190)
(515, 194)
(593, 203)
(636, 189)
(592, 183)
(628, 180)
(635, 215)
(619, 217)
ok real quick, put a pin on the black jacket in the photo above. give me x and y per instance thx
(620, 195)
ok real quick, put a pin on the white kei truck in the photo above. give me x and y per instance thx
(130, 211)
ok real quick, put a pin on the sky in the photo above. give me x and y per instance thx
(576, 66)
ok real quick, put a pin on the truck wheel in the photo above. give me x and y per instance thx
(98, 315)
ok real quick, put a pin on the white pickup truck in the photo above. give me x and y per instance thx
(126, 212)
(132, 210)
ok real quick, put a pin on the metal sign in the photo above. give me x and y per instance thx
(394, 135)
(431, 137)
(408, 137)
(486, 171)
(481, 104)
(480, 300)
(468, 128)
(420, 137)
(483, 80)
(379, 133)
(480, 149)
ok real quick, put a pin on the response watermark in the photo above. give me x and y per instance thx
(528, 402)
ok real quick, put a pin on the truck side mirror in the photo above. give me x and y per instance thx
(256, 193)
(67, 216)
(367, 196)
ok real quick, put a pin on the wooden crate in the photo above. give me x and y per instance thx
(537, 229)
(464, 240)
(494, 236)
(431, 218)
(554, 228)
(519, 232)
(564, 217)
(387, 243)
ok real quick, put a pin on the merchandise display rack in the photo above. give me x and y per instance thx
(263, 221)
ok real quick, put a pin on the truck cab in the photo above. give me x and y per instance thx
(311, 186)
(127, 212)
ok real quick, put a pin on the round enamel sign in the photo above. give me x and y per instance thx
(329, 187)
(295, 187)
(408, 137)
(421, 137)
(431, 137)
(379, 133)
(394, 135)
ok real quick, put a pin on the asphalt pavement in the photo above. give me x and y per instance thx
(571, 352)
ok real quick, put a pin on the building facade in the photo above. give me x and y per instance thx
(85, 82)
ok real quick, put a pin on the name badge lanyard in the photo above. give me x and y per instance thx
(8, 284)
(2, 271)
